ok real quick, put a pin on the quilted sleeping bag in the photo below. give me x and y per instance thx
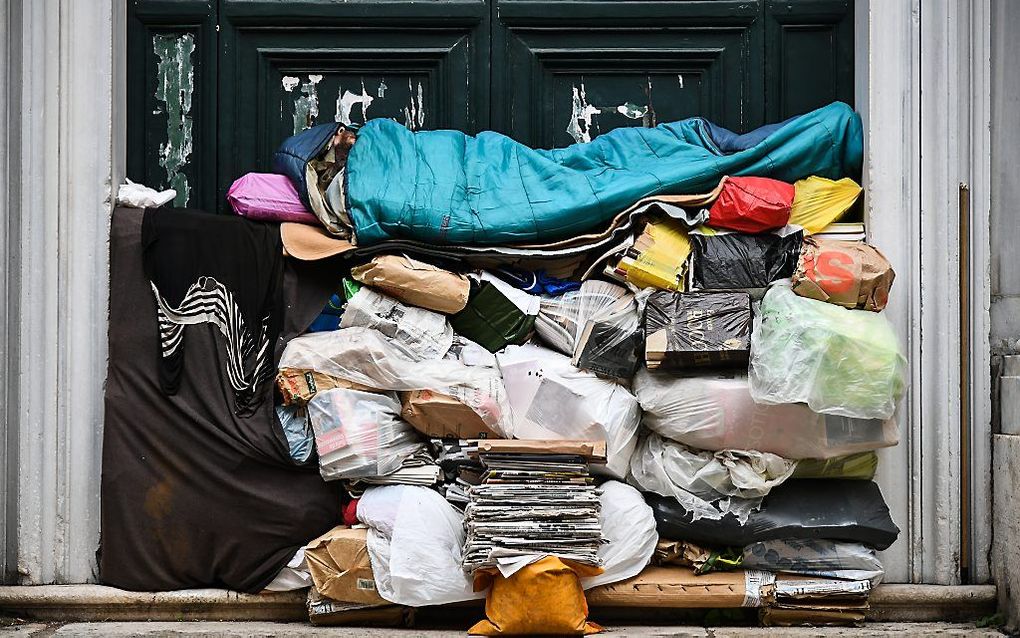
(447, 187)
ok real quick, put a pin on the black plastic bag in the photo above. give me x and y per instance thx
(738, 261)
(697, 329)
(835, 509)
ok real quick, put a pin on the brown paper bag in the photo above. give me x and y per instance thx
(415, 282)
(844, 273)
(340, 568)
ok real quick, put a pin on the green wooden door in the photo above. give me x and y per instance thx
(215, 85)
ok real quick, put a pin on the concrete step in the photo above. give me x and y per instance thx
(297, 630)
(70, 603)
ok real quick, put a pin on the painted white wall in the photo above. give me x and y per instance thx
(62, 148)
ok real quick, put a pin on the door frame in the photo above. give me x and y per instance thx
(69, 121)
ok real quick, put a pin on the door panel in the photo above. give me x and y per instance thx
(216, 85)
(559, 77)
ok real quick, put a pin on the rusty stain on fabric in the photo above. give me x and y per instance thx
(175, 84)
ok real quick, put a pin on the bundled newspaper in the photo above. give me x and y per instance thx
(529, 506)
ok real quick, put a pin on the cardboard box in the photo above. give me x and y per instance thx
(299, 386)
(442, 416)
(340, 568)
(697, 329)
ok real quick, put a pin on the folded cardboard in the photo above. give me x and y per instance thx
(415, 282)
(813, 615)
(324, 612)
(844, 273)
(697, 329)
(340, 567)
(679, 587)
(443, 417)
(592, 451)
(297, 387)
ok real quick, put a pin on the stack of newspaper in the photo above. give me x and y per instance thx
(529, 506)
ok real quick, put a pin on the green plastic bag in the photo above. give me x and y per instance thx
(838, 361)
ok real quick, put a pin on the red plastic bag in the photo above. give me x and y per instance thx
(752, 205)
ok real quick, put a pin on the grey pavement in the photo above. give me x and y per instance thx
(300, 630)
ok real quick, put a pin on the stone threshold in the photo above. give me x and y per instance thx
(95, 603)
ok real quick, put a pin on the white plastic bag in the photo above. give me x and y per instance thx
(815, 557)
(425, 334)
(414, 542)
(368, 357)
(716, 412)
(708, 484)
(139, 196)
(629, 525)
(551, 399)
(360, 434)
(838, 361)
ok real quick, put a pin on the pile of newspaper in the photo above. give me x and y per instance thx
(532, 505)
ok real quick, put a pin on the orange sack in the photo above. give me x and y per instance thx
(544, 598)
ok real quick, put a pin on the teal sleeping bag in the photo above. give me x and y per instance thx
(446, 187)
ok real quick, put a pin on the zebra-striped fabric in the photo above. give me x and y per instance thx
(249, 357)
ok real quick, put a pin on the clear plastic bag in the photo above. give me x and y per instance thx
(561, 319)
(360, 434)
(815, 557)
(366, 356)
(707, 484)
(716, 412)
(135, 195)
(414, 542)
(293, 421)
(551, 399)
(425, 334)
(629, 526)
(838, 361)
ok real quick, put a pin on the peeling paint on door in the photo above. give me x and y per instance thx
(631, 110)
(306, 106)
(414, 112)
(381, 91)
(581, 115)
(345, 104)
(175, 84)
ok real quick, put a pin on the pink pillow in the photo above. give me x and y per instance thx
(268, 197)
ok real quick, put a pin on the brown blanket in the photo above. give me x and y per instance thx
(193, 495)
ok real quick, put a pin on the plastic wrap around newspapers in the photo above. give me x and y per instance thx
(838, 361)
(629, 526)
(815, 557)
(707, 484)
(697, 329)
(414, 543)
(360, 434)
(836, 509)
(598, 326)
(716, 412)
(425, 334)
(727, 261)
(551, 399)
(368, 357)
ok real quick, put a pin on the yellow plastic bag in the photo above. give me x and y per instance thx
(819, 202)
(544, 598)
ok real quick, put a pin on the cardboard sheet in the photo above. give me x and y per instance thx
(679, 587)
(593, 451)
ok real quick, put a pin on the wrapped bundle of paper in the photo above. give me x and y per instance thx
(529, 506)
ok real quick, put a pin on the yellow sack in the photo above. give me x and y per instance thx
(818, 202)
(544, 598)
